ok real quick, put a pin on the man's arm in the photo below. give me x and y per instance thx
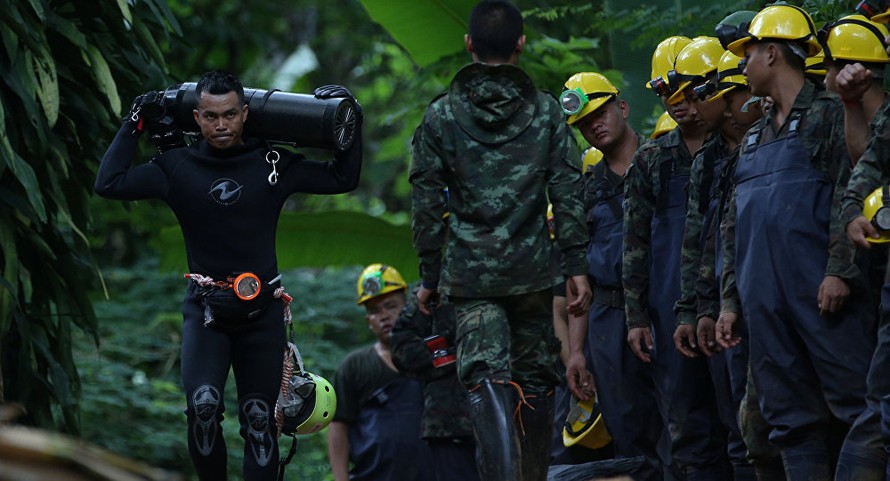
(639, 209)
(428, 199)
(116, 179)
(872, 170)
(338, 450)
(690, 262)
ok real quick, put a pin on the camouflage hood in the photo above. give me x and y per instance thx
(493, 103)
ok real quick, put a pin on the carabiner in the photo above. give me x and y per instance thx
(270, 159)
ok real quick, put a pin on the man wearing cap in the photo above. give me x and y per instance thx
(624, 385)
(808, 331)
(502, 149)
(376, 427)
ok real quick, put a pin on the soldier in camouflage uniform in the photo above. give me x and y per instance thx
(624, 384)
(654, 215)
(861, 91)
(501, 148)
(808, 331)
(695, 333)
(445, 424)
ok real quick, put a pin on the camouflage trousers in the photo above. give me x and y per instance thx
(755, 430)
(506, 339)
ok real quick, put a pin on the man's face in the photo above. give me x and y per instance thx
(709, 115)
(221, 119)
(382, 312)
(682, 112)
(734, 100)
(605, 126)
(756, 67)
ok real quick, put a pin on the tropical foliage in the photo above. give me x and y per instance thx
(67, 71)
(65, 66)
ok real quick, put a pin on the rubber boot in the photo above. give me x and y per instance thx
(497, 443)
(536, 436)
(806, 464)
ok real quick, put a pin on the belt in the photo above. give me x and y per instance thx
(610, 297)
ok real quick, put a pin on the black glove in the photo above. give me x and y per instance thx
(337, 91)
(333, 91)
(149, 106)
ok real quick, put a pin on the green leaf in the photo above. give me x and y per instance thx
(428, 30)
(48, 88)
(321, 239)
(124, 5)
(103, 77)
(26, 176)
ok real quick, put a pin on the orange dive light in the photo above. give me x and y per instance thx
(247, 286)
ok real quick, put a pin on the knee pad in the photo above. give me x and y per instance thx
(205, 408)
(257, 429)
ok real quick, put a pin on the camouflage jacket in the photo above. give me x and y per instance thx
(703, 179)
(641, 188)
(446, 408)
(821, 131)
(873, 169)
(502, 148)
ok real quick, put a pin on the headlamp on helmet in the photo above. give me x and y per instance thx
(874, 10)
(378, 279)
(781, 22)
(660, 86)
(705, 90)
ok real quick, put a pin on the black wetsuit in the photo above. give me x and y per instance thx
(228, 213)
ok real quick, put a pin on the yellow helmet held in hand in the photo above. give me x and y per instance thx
(780, 22)
(854, 38)
(695, 62)
(664, 125)
(585, 92)
(589, 158)
(378, 279)
(584, 425)
(663, 61)
(877, 210)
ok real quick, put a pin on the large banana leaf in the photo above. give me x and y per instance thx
(427, 29)
(321, 239)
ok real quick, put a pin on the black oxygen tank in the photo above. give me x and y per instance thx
(300, 119)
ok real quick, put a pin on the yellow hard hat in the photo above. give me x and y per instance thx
(854, 38)
(378, 279)
(585, 92)
(729, 75)
(815, 65)
(875, 211)
(590, 157)
(780, 22)
(695, 62)
(664, 125)
(585, 426)
(663, 61)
